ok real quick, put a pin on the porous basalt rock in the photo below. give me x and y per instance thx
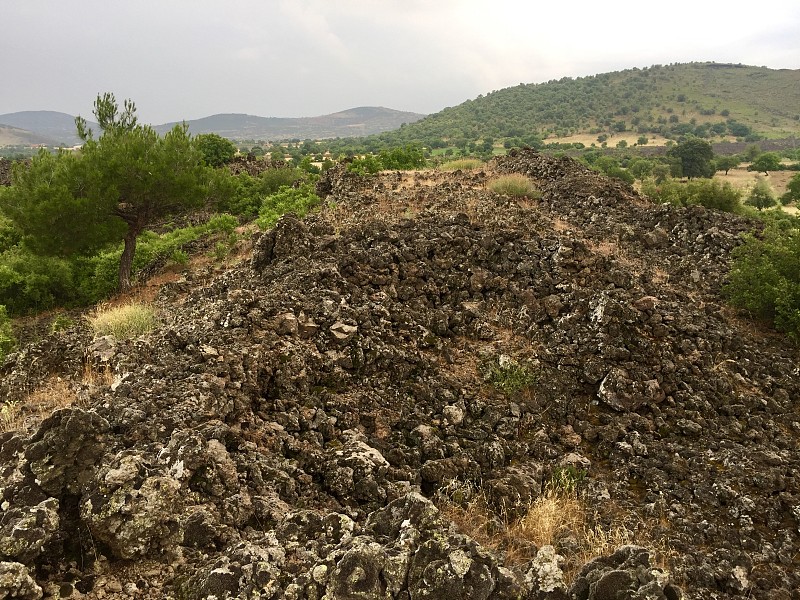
(285, 431)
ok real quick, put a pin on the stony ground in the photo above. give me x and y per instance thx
(296, 424)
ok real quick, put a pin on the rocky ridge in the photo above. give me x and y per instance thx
(291, 428)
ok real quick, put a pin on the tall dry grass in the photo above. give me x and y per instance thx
(558, 518)
(125, 321)
(515, 185)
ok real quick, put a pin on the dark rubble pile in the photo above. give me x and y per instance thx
(285, 432)
(690, 246)
(253, 166)
(5, 171)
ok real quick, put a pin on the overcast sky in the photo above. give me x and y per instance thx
(186, 59)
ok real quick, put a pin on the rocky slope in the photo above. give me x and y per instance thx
(295, 425)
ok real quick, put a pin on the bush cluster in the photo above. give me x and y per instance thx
(706, 192)
(32, 282)
(398, 159)
(765, 278)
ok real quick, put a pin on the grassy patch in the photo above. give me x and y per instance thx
(462, 164)
(123, 322)
(507, 375)
(515, 185)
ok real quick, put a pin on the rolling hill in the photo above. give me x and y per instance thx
(57, 128)
(14, 136)
(361, 121)
(707, 99)
(50, 127)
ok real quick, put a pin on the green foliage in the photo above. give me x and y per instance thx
(74, 203)
(97, 274)
(566, 480)
(242, 194)
(10, 236)
(621, 174)
(515, 185)
(401, 159)
(726, 163)
(641, 168)
(299, 200)
(7, 340)
(695, 157)
(507, 375)
(216, 150)
(368, 165)
(53, 206)
(708, 193)
(610, 166)
(273, 180)
(765, 278)
(768, 161)
(60, 322)
(32, 282)
(792, 190)
(405, 158)
(761, 196)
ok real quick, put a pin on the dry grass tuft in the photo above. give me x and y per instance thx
(462, 164)
(558, 518)
(125, 321)
(51, 395)
(515, 185)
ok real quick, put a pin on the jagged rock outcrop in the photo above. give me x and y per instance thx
(285, 431)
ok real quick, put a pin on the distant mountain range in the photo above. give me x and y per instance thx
(56, 128)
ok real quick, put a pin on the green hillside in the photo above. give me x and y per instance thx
(711, 100)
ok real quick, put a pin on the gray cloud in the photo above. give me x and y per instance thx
(181, 59)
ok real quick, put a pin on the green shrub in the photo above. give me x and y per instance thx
(98, 276)
(29, 282)
(765, 278)
(60, 322)
(405, 158)
(298, 200)
(242, 194)
(507, 375)
(273, 180)
(216, 150)
(514, 185)
(7, 341)
(708, 193)
(123, 322)
(761, 196)
(368, 165)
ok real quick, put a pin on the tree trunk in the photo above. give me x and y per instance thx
(126, 262)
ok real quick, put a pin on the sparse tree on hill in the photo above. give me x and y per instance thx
(726, 163)
(696, 157)
(769, 161)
